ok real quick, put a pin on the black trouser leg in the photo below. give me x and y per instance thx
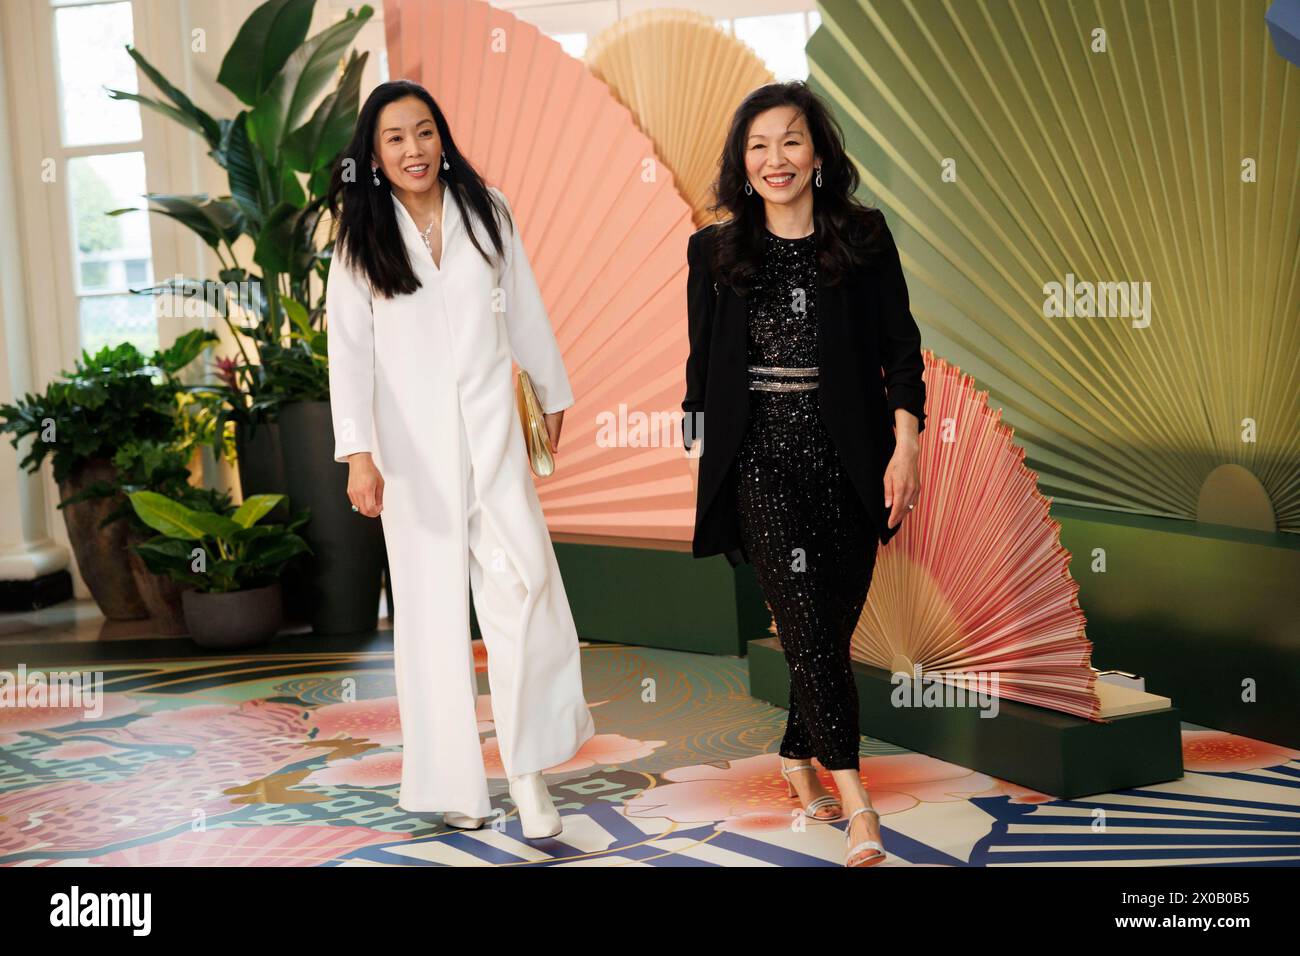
(813, 548)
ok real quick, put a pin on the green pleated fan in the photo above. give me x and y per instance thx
(1098, 211)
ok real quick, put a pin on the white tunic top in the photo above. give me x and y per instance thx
(520, 323)
(406, 375)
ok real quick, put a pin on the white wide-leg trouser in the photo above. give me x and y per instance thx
(534, 674)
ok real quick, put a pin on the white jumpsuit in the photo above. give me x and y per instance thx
(424, 383)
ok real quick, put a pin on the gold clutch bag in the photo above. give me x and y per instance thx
(536, 438)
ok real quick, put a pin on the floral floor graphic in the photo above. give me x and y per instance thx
(295, 759)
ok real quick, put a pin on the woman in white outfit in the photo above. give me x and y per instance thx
(425, 315)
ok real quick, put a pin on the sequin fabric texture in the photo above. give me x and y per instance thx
(802, 524)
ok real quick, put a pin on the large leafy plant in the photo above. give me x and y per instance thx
(117, 399)
(164, 466)
(217, 552)
(278, 158)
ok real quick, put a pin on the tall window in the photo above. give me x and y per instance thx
(101, 165)
(778, 38)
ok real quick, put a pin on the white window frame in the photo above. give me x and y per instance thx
(46, 228)
(44, 211)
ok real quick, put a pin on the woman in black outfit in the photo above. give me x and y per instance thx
(797, 305)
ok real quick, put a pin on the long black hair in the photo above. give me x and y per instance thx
(369, 237)
(848, 232)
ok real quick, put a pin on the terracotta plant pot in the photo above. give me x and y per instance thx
(101, 554)
(160, 593)
(232, 619)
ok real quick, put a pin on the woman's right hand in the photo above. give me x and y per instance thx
(365, 484)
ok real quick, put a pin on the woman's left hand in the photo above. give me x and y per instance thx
(553, 421)
(902, 480)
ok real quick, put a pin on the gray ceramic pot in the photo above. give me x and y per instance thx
(233, 618)
(261, 472)
(346, 564)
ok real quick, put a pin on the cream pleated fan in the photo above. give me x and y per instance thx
(1019, 144)
(606, 241)
(682, 77)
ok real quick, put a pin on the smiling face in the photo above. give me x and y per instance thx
(779, 158)
(407, 138)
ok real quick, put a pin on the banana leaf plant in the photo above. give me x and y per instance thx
(277, 154)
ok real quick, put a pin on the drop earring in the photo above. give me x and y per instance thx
(749, 190)
(445, 164)
(818, 180)
(374, 174)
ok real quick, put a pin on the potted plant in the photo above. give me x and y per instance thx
(80, 421)
(155, 465)
(278, 160)
(230, 562)
(165, 467)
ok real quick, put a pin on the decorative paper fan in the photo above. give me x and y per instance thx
(682, 77)
(976, 580)
(1074, 164)
(606, 232)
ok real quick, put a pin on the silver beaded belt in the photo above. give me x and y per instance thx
(809, 376)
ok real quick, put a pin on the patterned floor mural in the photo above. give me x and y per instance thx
(294, 760)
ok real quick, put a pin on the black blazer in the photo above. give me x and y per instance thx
(869, 364)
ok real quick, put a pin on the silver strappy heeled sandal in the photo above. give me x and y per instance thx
(872, 860)
(818, 803)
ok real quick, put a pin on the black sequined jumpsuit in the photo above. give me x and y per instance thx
(802, 524)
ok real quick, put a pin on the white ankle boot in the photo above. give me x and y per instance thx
(461, 821)
(537, 813)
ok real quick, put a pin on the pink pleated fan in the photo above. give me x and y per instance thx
(605, 228)
(976, 580)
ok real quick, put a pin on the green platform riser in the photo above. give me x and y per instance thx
(1197, 611)
(662, 598)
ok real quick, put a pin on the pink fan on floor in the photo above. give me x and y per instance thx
(977, 581)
